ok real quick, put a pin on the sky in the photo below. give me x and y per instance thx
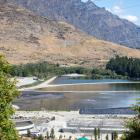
(127, 9)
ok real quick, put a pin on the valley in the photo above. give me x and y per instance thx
(69, 70)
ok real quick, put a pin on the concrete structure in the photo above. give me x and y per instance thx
(23, 126)
(87, 126)
(71, 123)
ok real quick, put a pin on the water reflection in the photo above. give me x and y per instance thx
(77, 100)
(90, 95)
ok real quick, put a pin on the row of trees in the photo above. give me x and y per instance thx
(125, 66)
(97, 135)
(44, 70)
(51, 135)
(105, 74)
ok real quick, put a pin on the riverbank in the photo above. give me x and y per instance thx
(50, 84)
(41, 85)
(58, 82)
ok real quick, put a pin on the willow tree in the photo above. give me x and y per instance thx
(133, 125)
(8, 93)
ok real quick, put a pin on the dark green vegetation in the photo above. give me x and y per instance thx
(105, 74)
(46, 70)
(116, 68)
(133, 125)
(125, 66)
(8, 93)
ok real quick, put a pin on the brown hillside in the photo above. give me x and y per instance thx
(25, 37)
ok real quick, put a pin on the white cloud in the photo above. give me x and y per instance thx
(117, 9)
(84, 0)
(108, 9)
(131, 18)
(121, 13)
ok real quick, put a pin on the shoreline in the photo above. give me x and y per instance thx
(46, 84)
(67, 113)
(88, 91)
(42, 85)
(115, 112)
(96, 83)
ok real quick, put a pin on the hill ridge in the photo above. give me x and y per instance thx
(26, 37)
(88, 17)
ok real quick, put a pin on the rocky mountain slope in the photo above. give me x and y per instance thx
(25, 37)
(87, 17)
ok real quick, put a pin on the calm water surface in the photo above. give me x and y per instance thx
(100, 95)
(69, 80)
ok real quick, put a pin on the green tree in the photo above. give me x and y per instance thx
(8, 93)
(47, 135)
(133, 125)
(98, 132)
(52, 135)
(28, 133)
(95, 133)
(129, 67)
(40, 137)
(60, 137)
(70, 137)
(115, 135)
(107, 138)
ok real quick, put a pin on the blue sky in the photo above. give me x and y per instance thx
(128, 9)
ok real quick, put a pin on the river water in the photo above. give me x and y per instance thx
(97, 94)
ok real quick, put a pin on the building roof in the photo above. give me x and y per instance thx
(83, 138)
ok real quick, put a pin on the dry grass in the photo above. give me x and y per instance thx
(26, 38)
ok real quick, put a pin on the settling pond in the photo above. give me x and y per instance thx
(97, 94)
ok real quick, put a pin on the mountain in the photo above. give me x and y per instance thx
(88, 17)
(26, 37)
